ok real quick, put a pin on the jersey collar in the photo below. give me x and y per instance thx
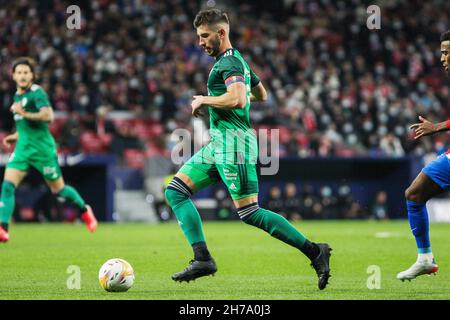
(229, 50)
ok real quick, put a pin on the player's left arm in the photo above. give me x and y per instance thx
(426, 127)
(234, 98)
(258, 92)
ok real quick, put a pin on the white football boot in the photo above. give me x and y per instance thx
(417, 269)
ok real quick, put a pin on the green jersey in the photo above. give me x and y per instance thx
(230, 129)
(33, 135)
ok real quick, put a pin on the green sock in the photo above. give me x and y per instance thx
(7, 202)
(187, 215)
(71, 194)
(277, 226)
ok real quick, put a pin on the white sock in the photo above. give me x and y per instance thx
(425, 257)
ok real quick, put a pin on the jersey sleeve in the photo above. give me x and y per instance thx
(254, 79)
(231, 70)
(41, 99)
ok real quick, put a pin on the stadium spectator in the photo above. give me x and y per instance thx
(274, 200)
(311, 207)
(127, 55)
(391, 146)
(125, 138)
(328, 202)
(69, 136)
(292, 202)
(379, 209)
(345, 205)
(225, 207)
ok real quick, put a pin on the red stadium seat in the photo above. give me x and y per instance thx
(345, 153)
(152, 150)
(56, 125)
(91, 143)
(302, 139)
(64, 150)
(122, 122)
(285, 135)
(147, 130)
(142, 129)
(106, 139)
(134, 158)
(156, 129)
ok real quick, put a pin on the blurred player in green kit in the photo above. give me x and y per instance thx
(35, 147)
(230, 156)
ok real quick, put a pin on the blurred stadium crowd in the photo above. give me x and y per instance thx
(124, 81)
(335, 87)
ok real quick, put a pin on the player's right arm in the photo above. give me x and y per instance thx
(9, 139)
(426, 127)
(42, 103)
(44, 114)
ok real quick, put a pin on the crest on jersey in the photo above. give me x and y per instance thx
(50, 171)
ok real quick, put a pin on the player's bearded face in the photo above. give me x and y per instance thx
(23, 76)
(209, 40)
(214, 46)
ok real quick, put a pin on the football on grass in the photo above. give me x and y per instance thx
(116, 275)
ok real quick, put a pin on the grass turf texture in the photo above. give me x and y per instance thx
(252, 265)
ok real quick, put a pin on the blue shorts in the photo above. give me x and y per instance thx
(438, 170)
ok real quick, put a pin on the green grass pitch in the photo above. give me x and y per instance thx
(252, 265)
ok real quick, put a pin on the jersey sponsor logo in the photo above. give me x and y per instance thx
(232, 186)
(229, 175)
(50, 171)
(24, 102)
(1, 204)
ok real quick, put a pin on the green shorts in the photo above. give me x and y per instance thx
(47, 165)
(206, 168)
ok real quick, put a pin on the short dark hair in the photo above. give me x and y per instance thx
(26, 61)
(445, 36)
(210, 17)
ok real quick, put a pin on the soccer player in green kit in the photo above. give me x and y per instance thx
(35, 147)
(229, 156)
